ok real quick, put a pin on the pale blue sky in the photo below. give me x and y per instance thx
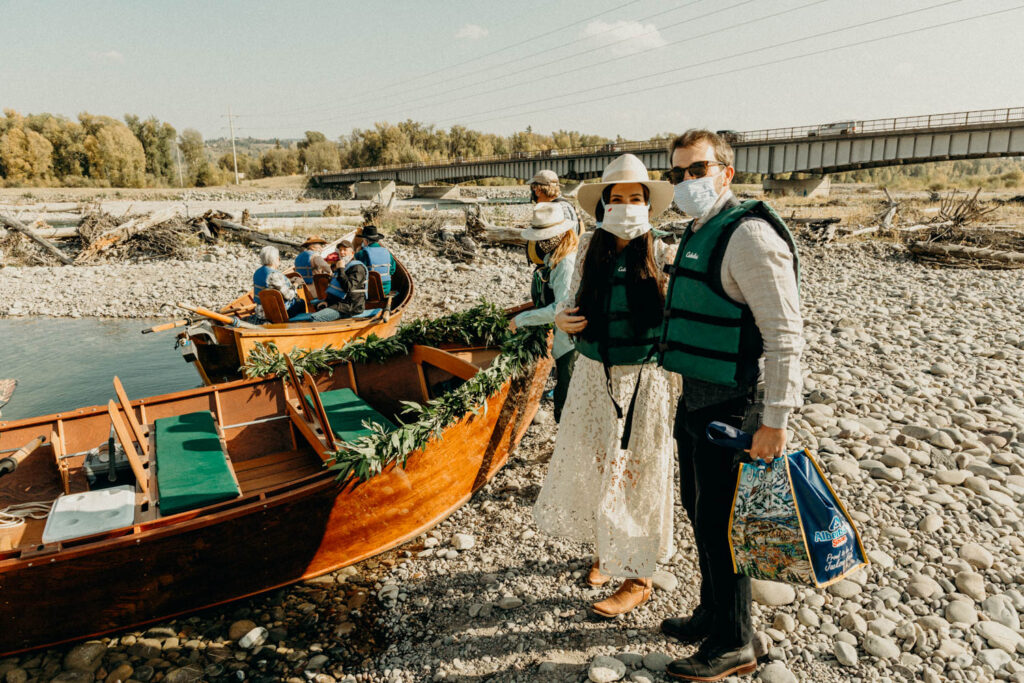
(286, 67)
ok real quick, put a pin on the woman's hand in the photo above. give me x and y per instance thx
(512, 325)
(570, 324)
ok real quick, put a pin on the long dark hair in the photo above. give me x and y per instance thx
(643, 287)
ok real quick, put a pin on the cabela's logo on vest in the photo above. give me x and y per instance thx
(693, 255)
(837, 533)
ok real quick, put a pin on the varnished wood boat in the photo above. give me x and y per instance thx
(218, 350)
(290, 518)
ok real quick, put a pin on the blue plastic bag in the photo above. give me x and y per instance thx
(787, 523)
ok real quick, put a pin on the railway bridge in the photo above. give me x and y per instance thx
(815, 149)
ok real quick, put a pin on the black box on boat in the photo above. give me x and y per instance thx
(97, 470)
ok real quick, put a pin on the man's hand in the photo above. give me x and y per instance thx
(769, 443)
(570, 324)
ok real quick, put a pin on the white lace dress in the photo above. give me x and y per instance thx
(595, 492)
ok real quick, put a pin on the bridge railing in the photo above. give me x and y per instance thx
(948, 120)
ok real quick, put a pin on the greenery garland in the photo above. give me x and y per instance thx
(483, 325)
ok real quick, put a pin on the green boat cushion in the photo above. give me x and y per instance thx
(191, 467)
(346, 413)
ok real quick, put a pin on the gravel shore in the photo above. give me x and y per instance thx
(914, 405)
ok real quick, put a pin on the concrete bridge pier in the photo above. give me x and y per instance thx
(803, 187)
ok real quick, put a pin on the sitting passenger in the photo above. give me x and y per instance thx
(346, 293)
(374, 256)
(268, 276)
(307, 262)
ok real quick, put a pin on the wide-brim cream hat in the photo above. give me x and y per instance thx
(626, 169)
(548, 221)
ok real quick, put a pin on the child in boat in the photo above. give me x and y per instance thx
(610, 480)
(555, 240)
(270, 276)
(346, 293)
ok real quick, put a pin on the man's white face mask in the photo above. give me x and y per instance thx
(698, 196)
(626, 221)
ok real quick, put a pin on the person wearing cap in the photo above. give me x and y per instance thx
(310, 261)
(545, 187)
(733, 298)
(374, 256)
(554, 239)
(609, 482)
(346, 292)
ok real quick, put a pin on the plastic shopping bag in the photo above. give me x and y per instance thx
(787, 523)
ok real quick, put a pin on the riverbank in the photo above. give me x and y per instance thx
(914, 404)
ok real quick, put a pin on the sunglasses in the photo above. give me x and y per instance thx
(697, 169)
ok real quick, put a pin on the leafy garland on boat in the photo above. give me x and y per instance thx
(483, 325)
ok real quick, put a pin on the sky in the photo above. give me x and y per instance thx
(610, 67)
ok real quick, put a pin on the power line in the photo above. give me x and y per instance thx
(687, 67)
(563, 73)
(772, 62)
(480, 57)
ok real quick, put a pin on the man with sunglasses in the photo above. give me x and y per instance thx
(733, 297)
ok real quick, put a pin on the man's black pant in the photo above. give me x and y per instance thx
(708, 477)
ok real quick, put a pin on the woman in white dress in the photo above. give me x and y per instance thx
(610, 478)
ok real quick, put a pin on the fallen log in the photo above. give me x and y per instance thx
(58, 233)
(123, 232)
(981, 256)
(15, 224)
(257, 237)
(478, 228)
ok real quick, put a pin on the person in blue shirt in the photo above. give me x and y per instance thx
(555, 239)
(346, 293)
(374, 256)
(309, 261)
(269, 276)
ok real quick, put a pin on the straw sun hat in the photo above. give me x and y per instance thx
(548, 221)
(626, 169)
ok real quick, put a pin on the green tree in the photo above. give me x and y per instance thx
(157, 144)
(321, 156)
(70, 161)
(279, 161)
(190, 142)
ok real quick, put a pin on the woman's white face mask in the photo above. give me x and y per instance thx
(626, 221)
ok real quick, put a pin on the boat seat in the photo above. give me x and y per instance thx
(346, 413)
(192, 469)
(274, 308)
(320, 283)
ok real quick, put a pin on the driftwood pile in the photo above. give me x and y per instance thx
(100, 236)
(955, 240)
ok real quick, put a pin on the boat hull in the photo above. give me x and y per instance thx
(305, 528)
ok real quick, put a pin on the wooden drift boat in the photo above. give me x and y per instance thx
(230, 495)
(219, 349)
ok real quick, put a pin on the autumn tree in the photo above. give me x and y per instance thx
(25, 155)
(157, 141)
(115, 155)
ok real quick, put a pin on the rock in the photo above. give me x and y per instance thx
(631, 659)
(921, 586)
(656, 661)
(771, 593)
(994, 659)
(844, 589)
(941, 369)
(16, 675)
(930, 524)
(808, 618)
(976, 556)
(999, 636)
(665, 581)
(845, 653)
(85, 657)
(952, 477)
(120, 674)
(240, 628)
(776, 672)
(389, 591)
(317, 662)
(784, 622)
(606, 670)
(971, 584)
(962, 612)
(73, 677)
(253, 638)
(185, 674)
(641, 676)
(1000, 609)
(881, 626)
(509, 602)
(463, 541)
(881, 647)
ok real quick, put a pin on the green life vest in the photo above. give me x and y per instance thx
(619, 343)
(540, 287)
(705, 334)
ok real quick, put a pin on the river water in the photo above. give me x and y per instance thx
(65, 363)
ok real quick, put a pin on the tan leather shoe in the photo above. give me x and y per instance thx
(595, 577)
(632, 593)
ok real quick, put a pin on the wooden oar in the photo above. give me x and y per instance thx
(11, 462)
(167, 326)
(229, 320)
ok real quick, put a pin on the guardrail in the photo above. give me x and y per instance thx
(948, 120)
